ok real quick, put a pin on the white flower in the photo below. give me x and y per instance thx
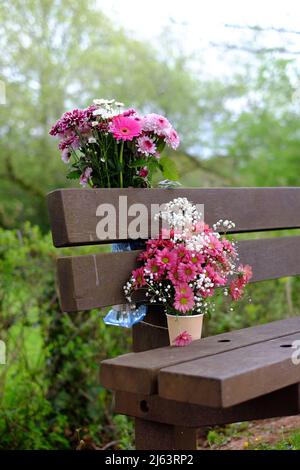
(101, 101)
(92, 140)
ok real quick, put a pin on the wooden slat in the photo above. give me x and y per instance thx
(93, 281)
(232, 377)
(283, 402)
(73, 211)
(138, 372)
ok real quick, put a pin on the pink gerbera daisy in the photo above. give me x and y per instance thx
(184, 302)
(146, 145)
(187, 272)
(183, 339)
(124, 128)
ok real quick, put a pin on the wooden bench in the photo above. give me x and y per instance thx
(242, 375)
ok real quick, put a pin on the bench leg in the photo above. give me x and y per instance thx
(150, 435)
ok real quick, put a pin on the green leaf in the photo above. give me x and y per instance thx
(73, 175)
(168, 168)
(160, 145)
(138, 163)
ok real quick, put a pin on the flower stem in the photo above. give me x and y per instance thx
(121, 163)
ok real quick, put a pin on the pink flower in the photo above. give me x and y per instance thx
(236, 290)
(227, 245)
(71, 141)
(138, 276)
(174, 276)
(146, 145)
(124, 128)
(182, 252)
(143, 172)
(184, 302)
(71, 120)
(183, 289)
(129, 112)
(86, 176)
(187, 272)
(65, 155)
(154, 268)
(215, 277)
(215, 247)
(197, 259)
(172, 139)
(166, 258)
(156, 123)
(246, 272)
(183, 339)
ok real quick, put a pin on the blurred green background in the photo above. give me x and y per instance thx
(238, 129)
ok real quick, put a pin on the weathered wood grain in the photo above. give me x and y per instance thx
(93, 281)
(232, 377)
(73, 211)
(138, 372)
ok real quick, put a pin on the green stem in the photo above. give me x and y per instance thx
(121, 163)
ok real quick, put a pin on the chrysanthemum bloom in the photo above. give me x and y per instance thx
(182, 252)
(187, 272)
(183, 289)
(215, 276)
(197, 259)
(84, 178)
(71, 141)
(154, 268)
(124, 128)
(236, 290)
(183, 339)
(172, 139)
(215, 247)
(173, 276)
(156, 123)
(138, 276)
(184, 302)
(246, 272)
(166, 258)
(129, 112)
(146, 145)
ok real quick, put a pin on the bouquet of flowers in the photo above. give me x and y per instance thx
(184, 266)
(107, 147)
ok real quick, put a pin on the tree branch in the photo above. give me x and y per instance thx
(15, 178)
(262, 28)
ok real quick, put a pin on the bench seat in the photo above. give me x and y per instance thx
(218, 371)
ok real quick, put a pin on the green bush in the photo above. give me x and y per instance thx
(50, 396)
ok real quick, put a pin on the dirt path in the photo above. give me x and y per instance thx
(267, 432)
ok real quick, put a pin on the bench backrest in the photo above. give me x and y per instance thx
(96, 280)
